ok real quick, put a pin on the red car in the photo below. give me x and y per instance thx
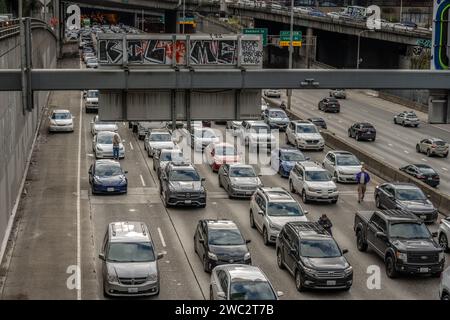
(220, 153)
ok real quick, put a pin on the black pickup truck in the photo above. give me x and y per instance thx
(401, 239)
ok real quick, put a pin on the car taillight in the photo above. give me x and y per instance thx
(420, 177)
(436, 177)
(433, 146)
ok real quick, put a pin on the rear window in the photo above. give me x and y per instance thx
(439, 143)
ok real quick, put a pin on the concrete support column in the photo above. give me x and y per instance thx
(439, 106)
(309, 44)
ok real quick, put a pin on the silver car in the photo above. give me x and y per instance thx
(60, 120)
(91, 100)
(103, 147)
(129, 260)
(239, 180)
(444, 288)
(407, 118)
(163, 156)
(444, 233)
(158, 139)
(98, 126)
(92, 63)
(272, 93)
(234, 126)
(433, 146)
(338, 94)
(342, 165)
(241, 282)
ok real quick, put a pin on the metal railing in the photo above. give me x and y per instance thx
(11, 28)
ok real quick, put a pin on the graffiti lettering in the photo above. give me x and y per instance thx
(424, 43)
(110, 51)
(203, 52)
(251, 52)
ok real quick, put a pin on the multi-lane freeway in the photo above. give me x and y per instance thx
(61, 225)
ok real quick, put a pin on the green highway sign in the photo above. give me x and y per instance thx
(262, 31)
(285, 38)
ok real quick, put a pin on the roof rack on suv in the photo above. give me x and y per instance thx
(309, 227)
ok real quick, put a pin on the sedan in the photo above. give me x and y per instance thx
(362, 131)
(239, 180)
(97, 126)
(329, 105)
(319, 122)
(92, 63)
(422, 172)
(218, 154)
(444, 234)
(107, 176)
(282, 160)
(61, 120)
(272, 93)
(433, 146)
(102, 145)
(338, 94)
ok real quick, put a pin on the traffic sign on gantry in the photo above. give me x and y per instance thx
(285, 38)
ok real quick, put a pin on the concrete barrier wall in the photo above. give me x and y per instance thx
(17, 130)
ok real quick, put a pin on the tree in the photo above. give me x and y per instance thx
(3, 6)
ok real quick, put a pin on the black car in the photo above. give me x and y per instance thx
(422, 172)
(329, 105)
(219, 242)
(107, 176)
(313, 257)
(362, 131)
(319, 122)
(405, 196)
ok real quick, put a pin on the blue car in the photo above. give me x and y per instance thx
(317, 13)
(107, 176)
(284, 159)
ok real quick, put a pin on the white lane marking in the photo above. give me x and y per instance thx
(132, 210)
(405, 151)
(424, 160)
(78, 199)
(123, 124)
(131, 146)
(390, 144)
(445, 169)
(142, 180)
(161, 237)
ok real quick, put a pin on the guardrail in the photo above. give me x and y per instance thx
(13, 28)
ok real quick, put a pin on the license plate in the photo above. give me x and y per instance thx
(110, 189)
(249, 193)
(331, 282)
(423, 217)
(187, 201)
(132, 290)
(424, 270)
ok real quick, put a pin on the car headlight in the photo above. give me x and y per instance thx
(112, 278)
(274, 226)
(334, 190)
(402, 256)
(348, 270)
(99, 149)
(310, 271)
(212, 256)
(313, 189)
(441, 255)
(152, 277)
(247, 256)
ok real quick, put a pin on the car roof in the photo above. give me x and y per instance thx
(311, 165)
(129, 231)
(220, 224)
(397, 215)
(309, 230)
(106, 133)
(244, 272)
(277, 194)
(61, 111)
(107, 162)
(275, 109)
(289, 149)
(240, 165)
(436, 139)
(181, 165)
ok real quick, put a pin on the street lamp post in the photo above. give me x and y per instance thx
(359, 42)
(184, 14)
(291, 49)
(401, 11)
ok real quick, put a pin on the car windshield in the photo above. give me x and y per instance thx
(107, 170)
(226, 151)
(427, 170)
(131, 252)
(171, 156)
(251, 290)
(317, 176)
(410, 194)
(61, 116)
(307, 129)
(225, 237)
(277, 114)
(184, 175)
(347, 161)
(160, 137)
(242, 172)
(319, 249)
(93, 60)
(105, 139)
(405, 230)
(292, 156)
(260, 129)
(284, 209)
(92, 94)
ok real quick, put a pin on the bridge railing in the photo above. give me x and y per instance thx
(12, 28)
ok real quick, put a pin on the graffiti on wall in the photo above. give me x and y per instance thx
(440, 56)
(251, 52)
(110, 51)
(207, 52)
(159, 52)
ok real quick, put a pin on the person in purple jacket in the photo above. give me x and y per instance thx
(362, 178)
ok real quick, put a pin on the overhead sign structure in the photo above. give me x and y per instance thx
(285, 38)
(441, 33)
(262, 31)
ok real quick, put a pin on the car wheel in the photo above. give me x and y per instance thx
(357, 137)
(390, 268)
(445, 155)
(417, 148)
(299, 282)
(443, 242)
(265, 237)
(349, 134)
(403, 123)
(445, 297)
(220, 182)
(252, 220)
(291, 187)
(360, 243)
(230, 196)
(395, 121)
(105, 293)
(280, 259)
(334, 201)
(205, 264)
(304, 198)
(377, 202)
(428, 153)
(416, 125)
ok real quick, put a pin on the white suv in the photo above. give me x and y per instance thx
(304, 135)
(313, 183)
(257, 134)
(271, 209)
(342, 165)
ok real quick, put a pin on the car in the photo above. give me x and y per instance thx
(158, 139)
(283, 159)
(313, 257)
(239, 180)
(103, 147)
(407, 118)
(217, 154)
(272, 93)
(129, 260)
(433, 146)
(234, 127)
(60, 120)
(319, 122)
(362, 131)
(304, 135)
(313, 183)
(422, 172)
(317, 13)
(163, 156)
(276, 118)
(338, 94)
(343, 165)
(401, 239)
(405, 196)
(444, 287)
(270, 209)
(444, 234)
(98, 126)
(181, 185)
(91, 101)
(256, 134)
(302, 10)
(203, 137)
(219, 242)
(329, 105)
(92, 63)
(107, 176)
(241, 282)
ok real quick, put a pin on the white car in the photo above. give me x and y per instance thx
(444, 288)
(103, 147)
(257, 134)
(234, 127)
(304, 135)
(91, 100)
(158, 139)
(201, 137)
(313, 183)
(60, 120)
(92, 63)
(98, 126)
(303, 10)
(272, 93)
(444, 234)
(343, 165)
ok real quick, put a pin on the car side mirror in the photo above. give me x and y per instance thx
(203, 179)
(160, 256)
(280, 293)
(344, 251)
(156, 157)
(381, 235)
(428, 196)
(260, 212)
(248, 241)
(221, 295)
(305, 212)
(435, 234)
(101, 256)
(90, 170)
(201, 240)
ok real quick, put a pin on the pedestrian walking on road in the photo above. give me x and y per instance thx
(116, 146)
(362, 178)
(325, 222)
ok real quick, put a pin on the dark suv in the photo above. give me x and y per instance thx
(362, 131)
(313, 257)
(329, 105)
(182, 185)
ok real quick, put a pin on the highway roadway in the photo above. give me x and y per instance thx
(61, 224)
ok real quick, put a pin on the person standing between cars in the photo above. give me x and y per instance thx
(362, 178)
(116, 146)
(325, 222)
